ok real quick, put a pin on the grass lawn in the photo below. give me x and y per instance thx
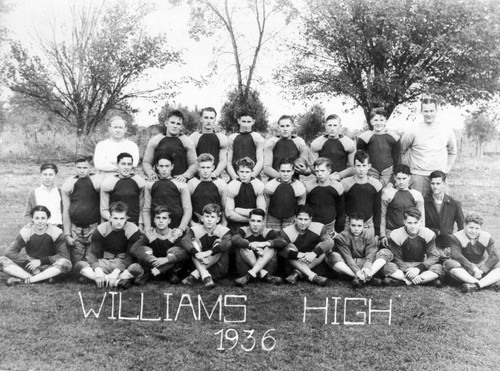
(44, 326)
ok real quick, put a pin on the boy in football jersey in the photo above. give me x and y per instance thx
(336, 147)
(307, 244)
(243, 195)
(108, 260)
(415, 259)
(126, 187)
(206, 189)
(208, 141)
(209, 254)
(245, 143)
(81, 214)
(159, 249)
(475, 261)
(256, 248)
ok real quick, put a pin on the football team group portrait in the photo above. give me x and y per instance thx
(307, 185)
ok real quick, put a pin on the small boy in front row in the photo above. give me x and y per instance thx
(357, 254)
(416, 258)
(160, 250)
(108, 261)
(475, 261)
(211, 242)
(45, 255)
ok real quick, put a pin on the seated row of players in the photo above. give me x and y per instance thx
(119, 254)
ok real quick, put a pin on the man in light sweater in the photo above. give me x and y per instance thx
(429, 146)
(107, 150)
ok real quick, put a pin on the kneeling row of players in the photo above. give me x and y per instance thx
(120, 255)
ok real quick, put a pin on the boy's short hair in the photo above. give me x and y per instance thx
(49, 165)
(474, 218)
(124, 155)
(361, 156)
(211, 209)
(438, 174)
(245, 113)
(84, 158)
(303, 209)
(285, 117)
(117, 118)
(118, 207)
(245, 162)
(208, 109)
(323, 161)
(260, 212)
(176, 113)
(412, 212)
(401, 168)
(206, 157)
(40, 208)
(357, 216)
(429, 100)
(378, 112)
(161, 209)
(286, 161)
(163, 156)
(333, 116)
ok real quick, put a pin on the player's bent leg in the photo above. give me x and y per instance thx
(335, 261)
(14, 270)
(382, 257)
(491, 278)
(455, 270)
(60, 266)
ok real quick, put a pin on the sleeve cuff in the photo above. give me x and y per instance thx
(318, 251)
(422, 267)
(293, 254)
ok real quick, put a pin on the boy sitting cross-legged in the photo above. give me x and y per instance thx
(161, 250)
(211, 242)
(415, 259)
(307, 244)
(356, 253)
(474, 259)
(256, 250)
(45, 255)
(108, 261)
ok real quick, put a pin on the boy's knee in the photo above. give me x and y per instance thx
(385, 254)
(80, 266)
(389, 268)
(135, 269)
(4, 262)
(63, 264)
(438, 269)
(451, 264)
(333, 258)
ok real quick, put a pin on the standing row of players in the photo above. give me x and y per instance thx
(284, 193)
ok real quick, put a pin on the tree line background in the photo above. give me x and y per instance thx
(371, 53)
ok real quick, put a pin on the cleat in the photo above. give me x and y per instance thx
(376, 282)
(174, 278)
(51, 280)
(143, 279)
(14, 281)
(357, 283)
(124, 284)
(388, 281)
(437, 283)
(208, 282)
(243, 280)
(468, 287)
(189, 280)
(293, 278)
(274, 280)
(320, 280)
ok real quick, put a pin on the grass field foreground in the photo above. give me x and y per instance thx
(44, 326)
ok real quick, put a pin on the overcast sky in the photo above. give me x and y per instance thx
(30, 18)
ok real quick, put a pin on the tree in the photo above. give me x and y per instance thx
(387, 53)
(310, 124)
(269, 17)
(481, 130)
(81, 78)
(236, 104)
